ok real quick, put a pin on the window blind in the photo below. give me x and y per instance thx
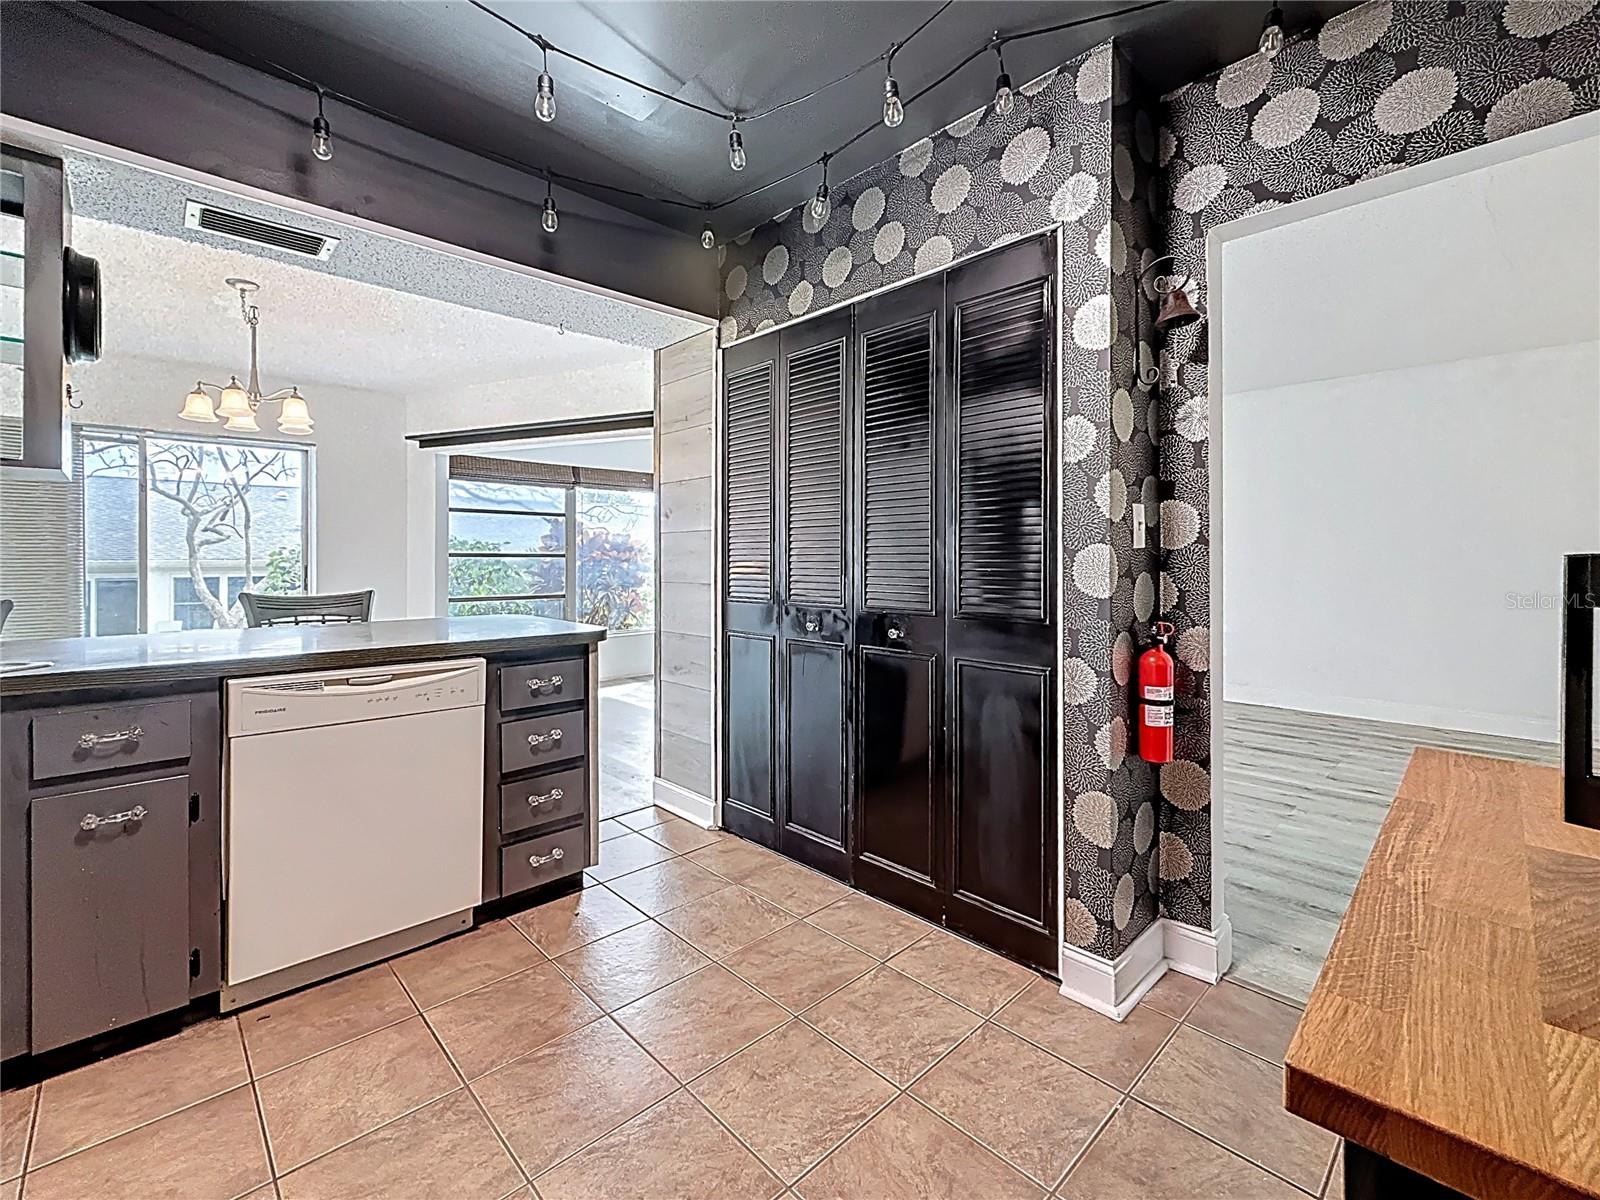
(484, 469)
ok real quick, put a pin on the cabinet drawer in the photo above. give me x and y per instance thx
(534, 685)
(77, 741)
(110, 908)
(541, 860)
(539, 741)
(542, 800)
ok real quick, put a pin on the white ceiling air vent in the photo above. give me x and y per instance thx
(242, 228)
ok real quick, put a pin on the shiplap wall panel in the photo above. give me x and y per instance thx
(685, 379)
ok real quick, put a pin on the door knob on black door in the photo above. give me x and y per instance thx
(895, 631)
(812, 624)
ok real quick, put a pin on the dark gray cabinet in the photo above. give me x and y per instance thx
(109, 908)
(110, 862)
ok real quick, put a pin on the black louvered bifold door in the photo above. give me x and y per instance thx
(815, 588)
(750, 608)
(899, 609)
(1000, 718)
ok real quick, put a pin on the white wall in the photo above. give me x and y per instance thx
(1412, 441)
(360, 502)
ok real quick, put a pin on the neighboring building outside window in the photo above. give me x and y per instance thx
(177, 527)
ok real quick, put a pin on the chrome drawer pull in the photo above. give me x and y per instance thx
(539, 739)
(552, 794)
(88, 741)
(535, 684)
(91, 822)
(539, 860)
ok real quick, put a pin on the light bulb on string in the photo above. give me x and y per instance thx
(1004, 99)
(1272, 38)
(544, 102)
(708, 237)
(736, 155)
(551, 220)
(321, 133)
(821, 206)
(893, 110)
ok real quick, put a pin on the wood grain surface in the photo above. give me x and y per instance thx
(1456, 1026)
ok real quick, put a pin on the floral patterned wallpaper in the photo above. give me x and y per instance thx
(1378, 87)
(1123, 179)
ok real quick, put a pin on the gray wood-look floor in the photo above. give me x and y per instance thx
(627, 746)
(1304, 796)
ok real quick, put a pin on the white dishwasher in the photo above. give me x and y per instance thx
(353, 819)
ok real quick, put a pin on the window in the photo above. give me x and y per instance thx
(508, 549)
(552, 541)
(175, 528)
(616, 558)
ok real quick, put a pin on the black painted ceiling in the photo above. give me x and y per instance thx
(459, 75)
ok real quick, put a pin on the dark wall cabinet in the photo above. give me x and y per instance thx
(889, 604)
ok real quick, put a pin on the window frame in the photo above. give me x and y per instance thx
(568, 516)
(140, 439)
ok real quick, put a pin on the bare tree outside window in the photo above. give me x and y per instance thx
(221, 518)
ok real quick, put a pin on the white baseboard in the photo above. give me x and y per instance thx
(1533, 729)
(691, 806)
(1203, 953)
(1112, 987)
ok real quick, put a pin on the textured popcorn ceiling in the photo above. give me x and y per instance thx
(130, 196)
(165, 299)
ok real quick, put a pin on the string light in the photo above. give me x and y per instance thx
(321, 134)
(1004, 102)
(708, 237)
(551, 219)
(1272, 33)
(893, 111)
(544, 102)
(736, 154)
(820, 205)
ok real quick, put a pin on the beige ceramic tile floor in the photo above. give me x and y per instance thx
(708, 1022)
(701, 1020)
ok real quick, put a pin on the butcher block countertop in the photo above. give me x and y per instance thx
(1456, 1026)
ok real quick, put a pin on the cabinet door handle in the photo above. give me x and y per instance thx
(91, 822)
(812, 625)
(539, 860)
(88, 741)
(552, 794)
(896, 633)
(539, 739)
(535, 684)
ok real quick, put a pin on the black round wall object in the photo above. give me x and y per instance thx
(80, 306)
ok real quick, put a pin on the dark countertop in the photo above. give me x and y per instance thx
(216, 653)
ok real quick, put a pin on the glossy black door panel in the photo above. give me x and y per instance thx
(899, 618)
(750, 608)
(813, 800)
(1001, 627)
(899, 770)
(749, 732)
(1001, 790)
(814, 675)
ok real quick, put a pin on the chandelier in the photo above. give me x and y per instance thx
(238, 403)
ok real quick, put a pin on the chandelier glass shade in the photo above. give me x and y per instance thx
(238, 403)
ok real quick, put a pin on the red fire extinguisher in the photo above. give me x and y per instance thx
(1155, 698)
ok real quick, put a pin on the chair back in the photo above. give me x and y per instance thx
(330, 608)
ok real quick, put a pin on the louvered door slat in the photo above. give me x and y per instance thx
(815, 475)
(1002, 355)
(749, 484)
(897, 418)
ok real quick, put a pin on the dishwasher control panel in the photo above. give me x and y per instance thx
(274, 703)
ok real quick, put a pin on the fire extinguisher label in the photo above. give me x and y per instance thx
(1157, 716)
(1157, 693)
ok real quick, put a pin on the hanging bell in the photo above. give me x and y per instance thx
(1176, 310)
